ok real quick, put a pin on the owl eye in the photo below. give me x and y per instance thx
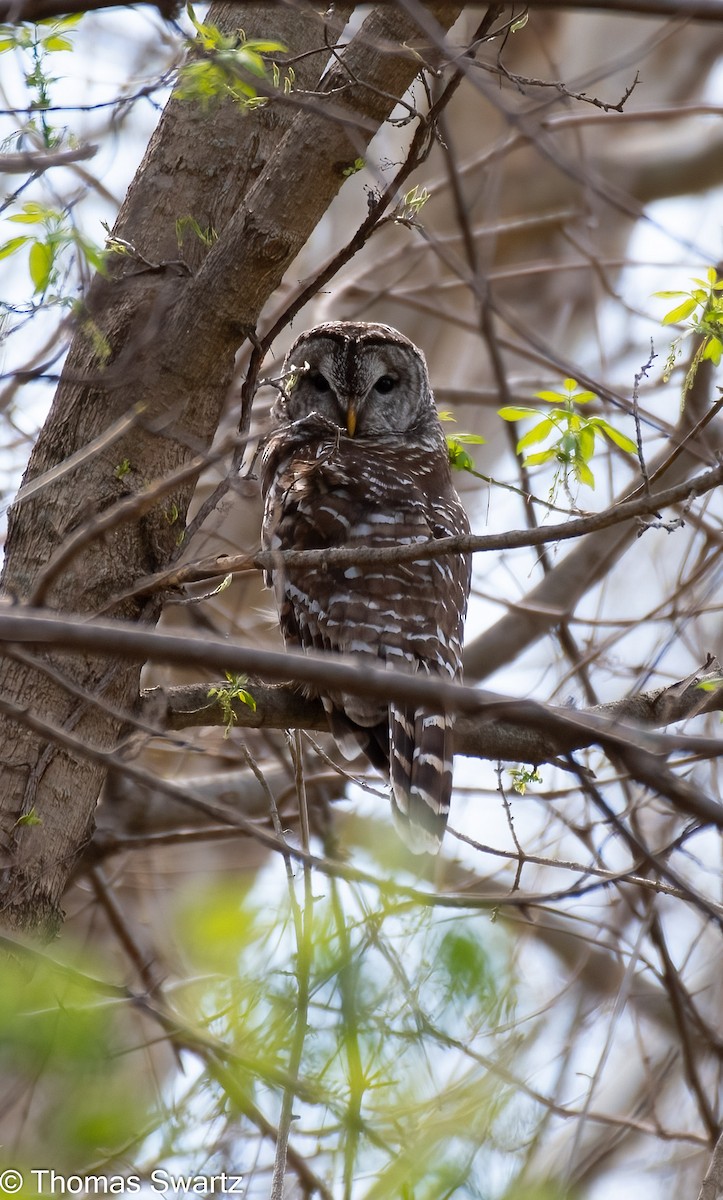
(385, 384)
(319, 383)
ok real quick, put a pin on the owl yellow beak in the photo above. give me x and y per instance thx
(351, 419)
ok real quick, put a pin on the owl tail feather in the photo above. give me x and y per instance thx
(420, 770)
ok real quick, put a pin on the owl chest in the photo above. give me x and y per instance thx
(337, 500)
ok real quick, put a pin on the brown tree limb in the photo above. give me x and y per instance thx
(190, 705)
(639, 749)
(36, 161)
(617, 514)
(13, 11)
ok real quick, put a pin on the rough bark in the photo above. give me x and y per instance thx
(172, 323)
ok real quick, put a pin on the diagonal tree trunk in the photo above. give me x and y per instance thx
(144, 385)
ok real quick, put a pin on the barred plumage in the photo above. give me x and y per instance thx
(357, 457)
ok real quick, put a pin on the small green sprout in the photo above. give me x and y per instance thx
(122, 468)
(702, 308)
(206, 235)
(459, 459)
(412, 203)
(574, 434)
(29, 819)
(233, 689)
(357, 166)
(522, 777)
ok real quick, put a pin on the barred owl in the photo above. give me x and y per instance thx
(356, 457)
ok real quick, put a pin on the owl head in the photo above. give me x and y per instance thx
(366, 379)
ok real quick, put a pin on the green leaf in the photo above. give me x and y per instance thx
(567, 447)
(26, 218)
(552, 397)
(569, 384)
(263, 47)
(29, 819)
(669, 295)
(93, 255)
(12, 245)
(586, 443)
(583, 473)
(584, 397)
(459, 459)
(471, 439)
(517, 414)
(62, 22)
(34, 214)
(713, 350)
(537, 434)
(57, 43)
(680, 312)
(625, 443)
(534, 460)
(252, 62)
(41, 264)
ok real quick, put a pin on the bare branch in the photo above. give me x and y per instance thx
(37, 161)
(576, 527)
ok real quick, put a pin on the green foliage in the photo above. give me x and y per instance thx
(122, 469)
(29, 819)
(357, 166)
(52, 236)
(522, 777)
(227, 67)
(206, 236)
(459, 459)
(58, 1024)
(412, 203)
(573, 435)
(38, 40)
(53, 232)
(233, 690)
(391, 991)
(702, 308)
(465, 966)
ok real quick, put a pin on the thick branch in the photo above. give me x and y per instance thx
(576, 527)
(698, 10)
(640, 750)
(287, 708)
